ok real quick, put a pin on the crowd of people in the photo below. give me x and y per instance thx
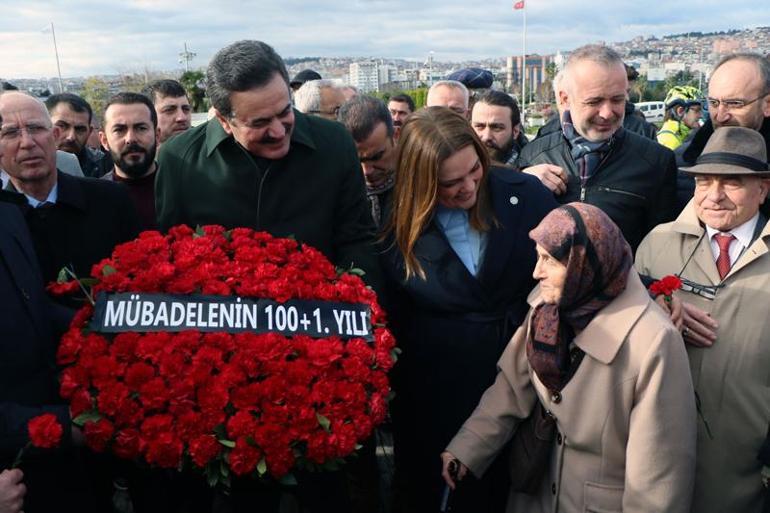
(540, 371)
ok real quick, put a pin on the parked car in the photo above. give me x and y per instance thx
(653, 111)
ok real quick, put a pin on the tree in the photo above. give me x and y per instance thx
(96, 92)
(194, 82)
(639, 86)
(680, 78)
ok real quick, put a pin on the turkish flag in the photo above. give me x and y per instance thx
(519, 5)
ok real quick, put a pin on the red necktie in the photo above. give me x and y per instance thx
(723, 262)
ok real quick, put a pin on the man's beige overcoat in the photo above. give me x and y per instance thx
(732, 378)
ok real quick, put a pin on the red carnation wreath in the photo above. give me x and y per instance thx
(248, 403)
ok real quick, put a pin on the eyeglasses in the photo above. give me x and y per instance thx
(332, 112)
(13, 133)
(705, 291)
(735, 104)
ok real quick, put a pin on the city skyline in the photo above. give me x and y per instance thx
(104, 38)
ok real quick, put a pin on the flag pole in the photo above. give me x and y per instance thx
(524, 62)
(58, 66)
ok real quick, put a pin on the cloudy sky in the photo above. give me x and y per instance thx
(107, 37)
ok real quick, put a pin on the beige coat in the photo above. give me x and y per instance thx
(626, 419)
(732, 378)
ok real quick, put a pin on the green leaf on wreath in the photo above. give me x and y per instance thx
(108, 269)
(324, 422)
(227, 443)
(89, 416)
(262, 467)
(63, 276)
(394, 354)
(356, 271)
(358, 447)
(199, 232)
(289, 480)
(88, 282)
(228, 235)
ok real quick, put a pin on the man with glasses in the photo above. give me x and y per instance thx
(719, 247)
(320, 98)
(738, 95)
(74, 222)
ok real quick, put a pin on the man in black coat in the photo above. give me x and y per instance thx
(55, 479)
(594, 159)
(74, 222)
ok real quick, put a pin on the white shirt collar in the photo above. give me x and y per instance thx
(743, 233)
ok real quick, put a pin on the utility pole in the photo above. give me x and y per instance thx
(185, 57)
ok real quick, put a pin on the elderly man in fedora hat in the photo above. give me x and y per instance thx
(718, 246)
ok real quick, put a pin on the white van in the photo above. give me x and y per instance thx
(653, 111)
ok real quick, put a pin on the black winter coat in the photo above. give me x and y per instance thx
(635, 184)
(452, 327)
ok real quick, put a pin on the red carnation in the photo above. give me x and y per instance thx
(203, 449)
(62, 289)
(165, 450)
(98, 434)
(666, 286)
(244, 457)
(242, 424)
(127, 444)
(45, 431)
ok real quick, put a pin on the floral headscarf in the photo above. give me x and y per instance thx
(598, 260)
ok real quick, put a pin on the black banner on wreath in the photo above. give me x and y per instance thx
(138, 312)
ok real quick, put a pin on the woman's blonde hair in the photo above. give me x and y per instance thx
(429, 137)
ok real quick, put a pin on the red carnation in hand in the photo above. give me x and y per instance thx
(45, 431)
(666, 286)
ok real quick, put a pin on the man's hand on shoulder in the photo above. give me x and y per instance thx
(553, 177)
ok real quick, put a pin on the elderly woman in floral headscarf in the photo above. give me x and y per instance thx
(605, 364)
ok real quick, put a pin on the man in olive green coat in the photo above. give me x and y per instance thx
(719, 247)
(263, 165)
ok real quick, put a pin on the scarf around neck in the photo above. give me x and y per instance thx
(586, 154)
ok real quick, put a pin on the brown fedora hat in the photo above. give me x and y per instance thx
(732, 150)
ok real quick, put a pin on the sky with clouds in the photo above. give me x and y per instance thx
(106, 37)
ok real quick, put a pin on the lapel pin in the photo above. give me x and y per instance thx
(514, 200)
